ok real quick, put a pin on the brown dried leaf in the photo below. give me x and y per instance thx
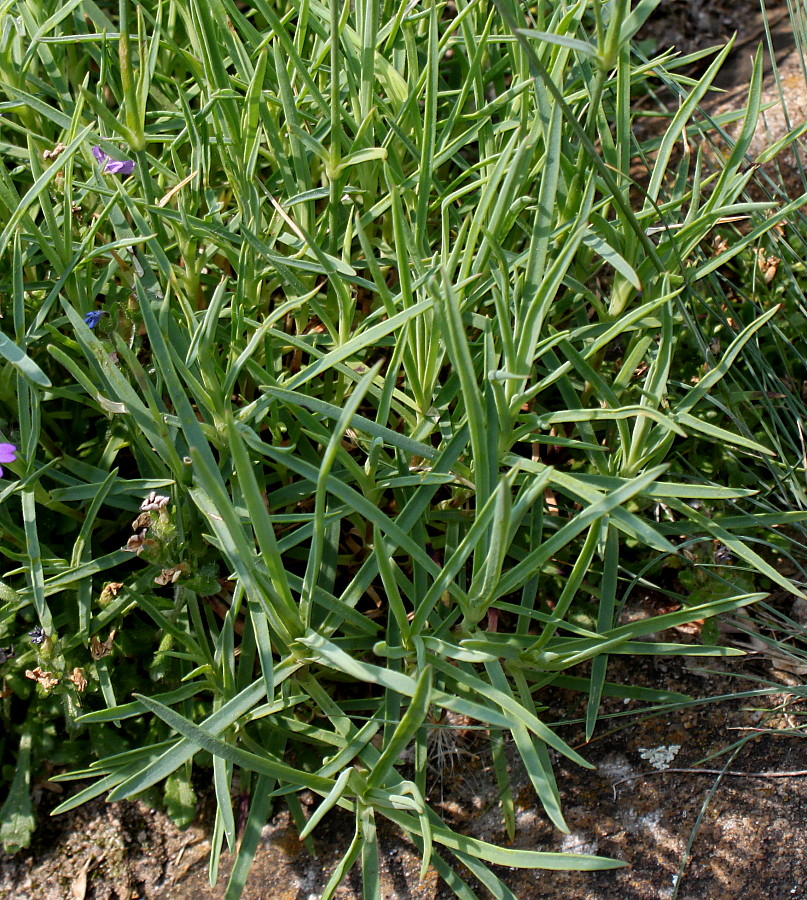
(78, 890)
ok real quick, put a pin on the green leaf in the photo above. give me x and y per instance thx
(22, 362)
(17, 820)
(180, 798)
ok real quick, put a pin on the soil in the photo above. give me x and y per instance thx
(690, 835)
(690, 26)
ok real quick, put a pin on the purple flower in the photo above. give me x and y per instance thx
(94, 317)
(37, 635)
(111, 166)
(8, 453)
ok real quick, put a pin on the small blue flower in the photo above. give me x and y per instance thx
(37, 635)
(94, 317)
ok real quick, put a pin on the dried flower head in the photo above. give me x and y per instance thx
(6, 653)
(56, 151)
(142, 521)
(768, 265)
(110, 591)
(154, 502)
(100, 649)
(78, 679)
(169, 576)
(47, 679)
(136, 542)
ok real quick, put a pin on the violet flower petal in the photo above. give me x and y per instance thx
(37, 635)
(119, 167)
(8, 453)
(111, 166)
